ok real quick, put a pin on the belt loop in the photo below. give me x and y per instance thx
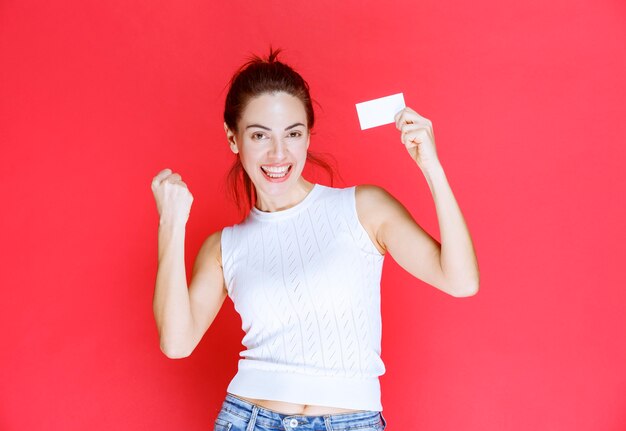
(252, 422)
(329, 427)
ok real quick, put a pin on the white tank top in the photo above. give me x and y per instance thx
(306, 283)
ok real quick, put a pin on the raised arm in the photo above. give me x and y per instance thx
(450, 265)
(183, 314)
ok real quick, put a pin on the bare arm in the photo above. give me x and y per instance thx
(171, 306)
(393, 229)
(458, 258)
(450, 266)
(184, 314)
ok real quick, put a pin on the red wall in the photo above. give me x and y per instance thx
(527, 102)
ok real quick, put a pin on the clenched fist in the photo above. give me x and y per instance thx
(417, 135)
(173, 198)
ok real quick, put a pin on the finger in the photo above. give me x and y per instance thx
(164, 173)
(415, 137)
(409, 127)
(421, 123)
(412, 111)
(400, 118)
(407, 116)
(161, 176)
(415, 116)
(396, 118)
(174, 178)
(412, 128)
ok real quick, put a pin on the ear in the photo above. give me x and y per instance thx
(232, 139)
(308, 139)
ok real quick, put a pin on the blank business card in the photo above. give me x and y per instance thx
(379, 111)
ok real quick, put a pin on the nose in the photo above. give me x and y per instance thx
(277, 149)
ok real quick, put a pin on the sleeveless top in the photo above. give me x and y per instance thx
(306, 283)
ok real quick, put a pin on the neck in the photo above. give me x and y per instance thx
(286, 200)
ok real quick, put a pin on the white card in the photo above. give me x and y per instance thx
(379, 111)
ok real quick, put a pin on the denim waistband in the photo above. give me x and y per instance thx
(243, 411)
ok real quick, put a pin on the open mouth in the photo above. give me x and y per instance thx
(276, 172)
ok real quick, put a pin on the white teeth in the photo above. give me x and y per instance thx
(276, 175)
(275, 169)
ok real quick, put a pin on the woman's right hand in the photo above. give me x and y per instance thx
(173, 198)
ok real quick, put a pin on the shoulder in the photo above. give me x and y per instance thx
(362, 192)
(231, 239)
(370, 196)
(211, 248)
(369, 199)
(376, 206)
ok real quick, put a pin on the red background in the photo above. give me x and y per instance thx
(526, 99)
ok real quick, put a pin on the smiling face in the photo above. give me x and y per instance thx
(272, 141)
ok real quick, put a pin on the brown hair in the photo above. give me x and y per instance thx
(255, 77)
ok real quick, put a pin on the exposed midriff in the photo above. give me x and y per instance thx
(287, 408)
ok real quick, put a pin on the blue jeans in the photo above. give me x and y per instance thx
(240, 415)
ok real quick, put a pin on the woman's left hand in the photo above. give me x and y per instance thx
(416, 133)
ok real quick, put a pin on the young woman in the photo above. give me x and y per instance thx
(303, 268)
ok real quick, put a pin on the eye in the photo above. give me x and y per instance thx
(295, 134)
(257, 136)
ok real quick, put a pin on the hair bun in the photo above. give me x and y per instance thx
(273, 55)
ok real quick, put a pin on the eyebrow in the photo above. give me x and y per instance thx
(267, 128)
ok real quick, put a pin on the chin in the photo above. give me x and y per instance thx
(274, 182)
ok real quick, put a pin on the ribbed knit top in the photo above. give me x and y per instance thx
(306, 283)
